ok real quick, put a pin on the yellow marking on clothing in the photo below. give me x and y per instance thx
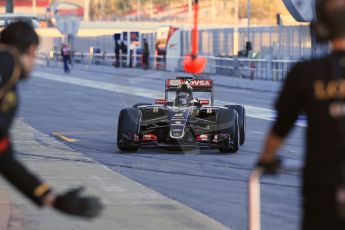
(329, 90)
(9, 101)
(40, 190)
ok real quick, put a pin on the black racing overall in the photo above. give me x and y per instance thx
(338, 67)
(10, 168)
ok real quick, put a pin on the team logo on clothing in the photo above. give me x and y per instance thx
(8, 102)
(332, 90)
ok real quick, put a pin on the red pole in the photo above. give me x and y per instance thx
(192, 63)
(195, 34)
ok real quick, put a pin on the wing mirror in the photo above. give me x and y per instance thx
(204, 102)
(160, 101)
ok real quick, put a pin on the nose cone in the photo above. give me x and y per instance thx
(178, 120)
(177, 131)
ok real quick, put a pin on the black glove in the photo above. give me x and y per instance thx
(73, 204)
(270, 167)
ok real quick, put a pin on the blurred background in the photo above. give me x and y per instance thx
(261, 30)
(220, 12)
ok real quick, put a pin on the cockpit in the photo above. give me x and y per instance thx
(183, 99)
(184, 95)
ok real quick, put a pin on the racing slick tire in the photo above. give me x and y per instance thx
(227, 123)
(128, 129)
(241, 121)
(140, 104)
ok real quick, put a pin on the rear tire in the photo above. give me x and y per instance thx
(128, 129)
(241, 121)
(227, 123)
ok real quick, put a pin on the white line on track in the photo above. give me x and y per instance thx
(252, 111)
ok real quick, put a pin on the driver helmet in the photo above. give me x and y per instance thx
(183, 99)
(186, 88)
(184, 94)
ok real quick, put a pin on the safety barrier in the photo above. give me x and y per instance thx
(279, 42)
(251, 69)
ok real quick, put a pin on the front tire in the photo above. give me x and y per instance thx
(128, 130)
(228, 131)
(241, 120)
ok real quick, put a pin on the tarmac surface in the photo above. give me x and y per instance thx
(81, 110)
(129, 205)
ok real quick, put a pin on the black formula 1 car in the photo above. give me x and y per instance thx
(182, 120)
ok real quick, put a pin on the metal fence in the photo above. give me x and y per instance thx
(278, 49)
(212, 42)
(283, 42)
(251, 69)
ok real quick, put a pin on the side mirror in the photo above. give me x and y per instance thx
(160, 101)
(204, 102)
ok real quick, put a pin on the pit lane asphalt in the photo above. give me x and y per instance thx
(207, 181)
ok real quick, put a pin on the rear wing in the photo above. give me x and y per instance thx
(199, 85)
